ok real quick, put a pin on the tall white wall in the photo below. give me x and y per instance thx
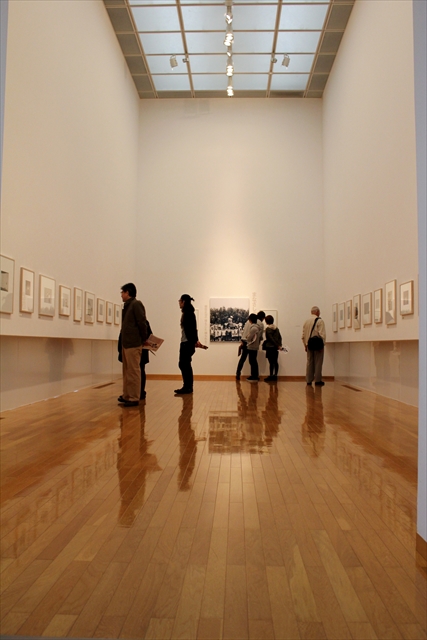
(70, 158)
(370, 164)
(230, 205)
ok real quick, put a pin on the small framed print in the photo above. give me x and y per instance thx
(367, 308)
(356, 311)
(7, 280)
(89, 307)
(26, 294)
(100, 310)
(78, 304)
(334, 318)
(268, 312)
(378, 306)
(390, 302)
(341, 315)
(349, 313)
(116, 314)
(109, 312)
(47, 296)
(64, 301)
(407, 298)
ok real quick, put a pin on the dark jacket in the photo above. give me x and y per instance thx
(134, 324)
(273, 339)
(145, 352)
(189, 324)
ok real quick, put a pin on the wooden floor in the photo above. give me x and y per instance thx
(244, 511)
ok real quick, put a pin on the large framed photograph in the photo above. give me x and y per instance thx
(109, 312)
(7, 280)
(367, 308)
(64, 301)
(47, 296)
(100, 310)
(116, 314)
(378, 306)
(334, 318)
(407, 298)
(78, 304)
(390, 302)
(356, 311)
(341, 315)
(89, 307)
(227, 318)
(349, 313)
(26, 293)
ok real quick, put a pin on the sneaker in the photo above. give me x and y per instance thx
(250, 379)
(320, 384)
(121, 399)
(181, 392)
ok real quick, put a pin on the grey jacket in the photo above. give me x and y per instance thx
(254, 337)
(134, 324)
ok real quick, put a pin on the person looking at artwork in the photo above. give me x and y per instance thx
(314, 338)
(243, 350)
(253, 341)
(134, 333)
(189, 342)
(272, 344)
(144, 360)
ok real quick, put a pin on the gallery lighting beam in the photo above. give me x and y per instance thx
(229, 36)
(230, 67)
(229, 14)
(286, 60)
(173, 62)
(230, 90)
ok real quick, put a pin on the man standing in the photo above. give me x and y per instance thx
(314, 328)
(134, 334)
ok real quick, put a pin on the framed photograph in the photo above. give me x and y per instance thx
(100, 310)
(64, 301)
(367, 308)
(78, 304)
(390, 302)
(407, 298)
(7, 284)
(47, 296)
(109, 312)
(227, 318)
(341, 315)
(26, 294)
(274, 313)
(89, 307)
(349, 313)
(117, 314)
(356, 311)
(334, 318)
(378, 306)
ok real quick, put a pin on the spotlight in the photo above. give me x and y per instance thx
(286, 60)
(229, 51)
(173, 62)
(230, 67)
(273, 59)
(229, 15)
(229, 36)
(186, 59)
(230, 90)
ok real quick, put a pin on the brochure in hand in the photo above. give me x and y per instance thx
(153, 343)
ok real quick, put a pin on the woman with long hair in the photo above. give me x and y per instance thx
(189, 342)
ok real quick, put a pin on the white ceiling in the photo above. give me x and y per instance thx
(151, 31)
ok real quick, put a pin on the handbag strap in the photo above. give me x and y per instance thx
(314, 324)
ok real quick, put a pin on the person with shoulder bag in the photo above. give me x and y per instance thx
(314, 338)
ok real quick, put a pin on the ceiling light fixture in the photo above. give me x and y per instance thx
(229, 36)
(186, 59)
(229, 51)
(273, 59)
(229, 15)
(230, 90)
(286, 60)
(173, 62)
(230, 67)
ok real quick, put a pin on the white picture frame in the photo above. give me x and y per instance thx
(100, 310)
(356, 312)
(64, 307)
(367, 309)
(78, 305)
(117, 314)
(349, 313)
(7, 284)
(89, 307)
(47, 296)
(109, 312)
(407, 298)
(26, 292)
(390, 303)
(335, 318)
(227, 317)
(378, 306)
(341, 315)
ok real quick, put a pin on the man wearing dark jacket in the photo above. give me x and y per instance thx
(134, 334)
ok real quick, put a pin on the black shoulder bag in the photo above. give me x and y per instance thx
(315, 343)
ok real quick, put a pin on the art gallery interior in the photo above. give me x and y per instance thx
(290, 202)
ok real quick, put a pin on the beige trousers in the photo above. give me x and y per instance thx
(131, 373)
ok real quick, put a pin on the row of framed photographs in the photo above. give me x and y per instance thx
(363, 310)
(85, 306)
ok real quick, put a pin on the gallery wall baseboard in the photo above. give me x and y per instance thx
(224, 378)
(421, 547)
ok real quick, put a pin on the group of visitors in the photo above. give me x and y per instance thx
(136, 329)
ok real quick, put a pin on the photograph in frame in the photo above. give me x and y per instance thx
(407, 298)
(117, 310)
(367, 308)
(47, 296)
(390, 302)
(341, 315)
(334, 318)
(64, 301)
(7, 280)
(89, 307)
(378, 306)
(26, 294)
(109, 312)
(100, 310)
(78, 304)
(356, 311)
(349, 313)
(274, 313)
(227, 318)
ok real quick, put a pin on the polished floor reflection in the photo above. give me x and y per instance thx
(243, 511)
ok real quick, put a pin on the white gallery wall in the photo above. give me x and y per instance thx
(230, 205)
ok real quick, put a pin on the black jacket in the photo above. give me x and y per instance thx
(189, 324)
(134, 324)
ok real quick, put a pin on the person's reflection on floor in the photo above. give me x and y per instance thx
(272, 416)
(242, 403)
(313, 427)
(187, 444)
(134, 464)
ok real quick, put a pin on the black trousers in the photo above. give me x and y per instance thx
(243, 356)
(273, 358)
(253, 361)
(186, 352)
